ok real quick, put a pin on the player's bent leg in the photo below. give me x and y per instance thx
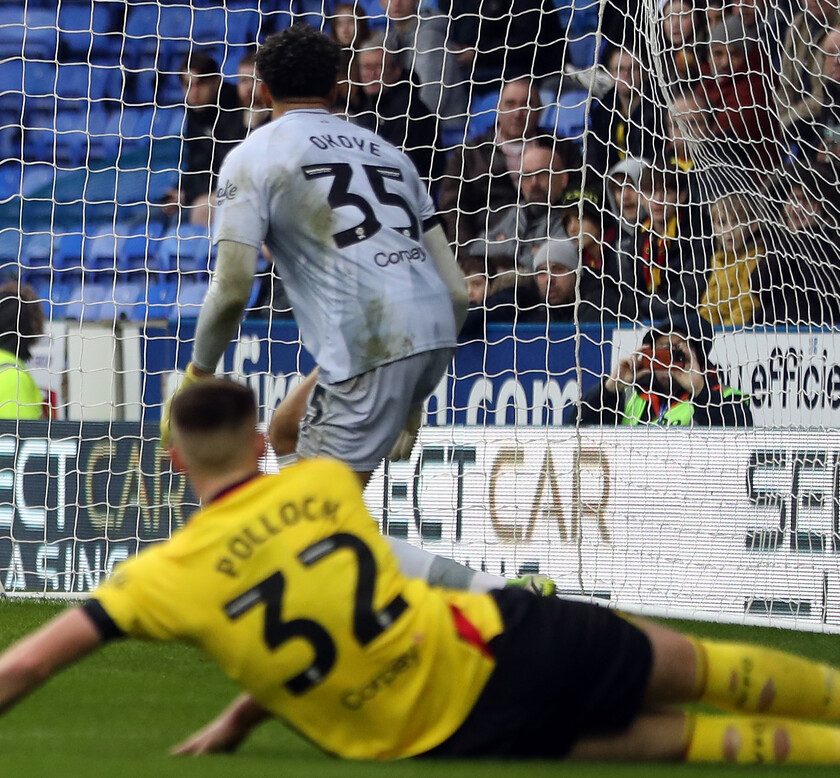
(665, 736)
(755, 679)
(653, 737)
(760, 740)
(739, 677)
(285, 422)
(674, 675)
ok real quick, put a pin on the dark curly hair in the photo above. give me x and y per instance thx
(21, 319)
(298, 62)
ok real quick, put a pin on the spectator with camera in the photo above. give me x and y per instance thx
(669, 382)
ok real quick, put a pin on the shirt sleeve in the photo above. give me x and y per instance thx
(427, 206)
(20, 397)
(241, 199)
(130, 603)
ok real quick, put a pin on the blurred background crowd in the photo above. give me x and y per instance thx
(593, 163)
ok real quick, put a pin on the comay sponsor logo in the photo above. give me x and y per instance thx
(384, 259)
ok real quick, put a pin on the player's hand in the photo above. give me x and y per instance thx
(401, 450)
(191, 376)
(627, 372)
(219, 736)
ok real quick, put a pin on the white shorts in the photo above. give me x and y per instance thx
(358, 421)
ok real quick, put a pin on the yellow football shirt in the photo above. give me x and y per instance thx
(287, 584)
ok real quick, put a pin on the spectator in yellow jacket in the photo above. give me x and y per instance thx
(21, 324)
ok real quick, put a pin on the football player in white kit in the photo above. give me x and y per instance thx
(376, 292)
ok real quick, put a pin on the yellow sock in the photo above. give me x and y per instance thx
(760, 740)
(753, 679)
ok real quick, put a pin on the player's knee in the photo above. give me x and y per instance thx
(676, 666)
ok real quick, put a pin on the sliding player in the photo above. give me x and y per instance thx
(284, 581)
(376, 292)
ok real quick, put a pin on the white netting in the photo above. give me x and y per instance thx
(598, 167)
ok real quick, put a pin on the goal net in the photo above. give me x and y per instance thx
(642, 196)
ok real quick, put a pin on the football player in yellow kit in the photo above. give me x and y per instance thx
(286, 583)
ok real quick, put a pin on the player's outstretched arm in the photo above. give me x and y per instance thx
(227, 731)
(27, 664)
(447, 267)
(221, 313)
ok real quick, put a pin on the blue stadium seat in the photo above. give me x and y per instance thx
(168, 122)
(565, 115)
(130, 300)
(161, 297)
(39, 144)
(86, 32)
(10, 148)
(73, 81)
(243, 24)
(71, 138)
(135, 254)
(11, 75)
(188, 253)
(11, 178)
(141, 87)
(68, 255)
(43, 287)
(62, 291)
(36, 177)
(86, 301)
(209, 26)
(104, 141)
(132, 228)
(39, 79)
(191, 296)
(579, 18)
(31, 33)
(135, 125)
(483, 111)
(170, 91)
(89, 82)
(10, 245)
(100, 252)
(36, 254)
(277, 15)
(142, 30)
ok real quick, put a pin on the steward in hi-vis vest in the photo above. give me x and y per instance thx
(667, 382)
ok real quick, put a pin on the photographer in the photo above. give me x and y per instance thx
(667, 382)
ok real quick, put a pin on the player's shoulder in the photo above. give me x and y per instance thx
(325, 472)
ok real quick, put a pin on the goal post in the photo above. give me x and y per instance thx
(679, 160)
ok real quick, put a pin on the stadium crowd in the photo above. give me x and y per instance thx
(691, 177)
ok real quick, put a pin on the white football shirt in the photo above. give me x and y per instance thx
(342, 213)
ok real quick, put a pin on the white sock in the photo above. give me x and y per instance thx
(486, 582)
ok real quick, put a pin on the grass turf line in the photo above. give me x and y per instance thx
(118, 712)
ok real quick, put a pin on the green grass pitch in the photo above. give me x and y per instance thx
(117, 713)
